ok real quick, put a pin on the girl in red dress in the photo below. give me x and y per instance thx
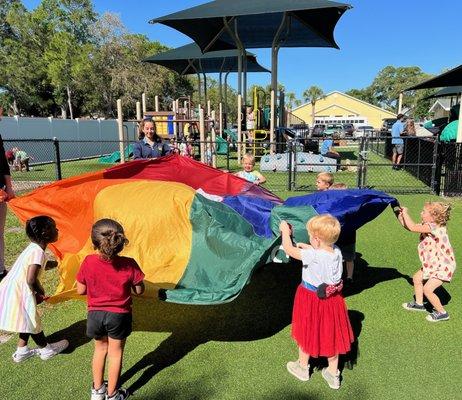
(320, 323)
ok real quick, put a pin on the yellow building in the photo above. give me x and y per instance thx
(338, 107)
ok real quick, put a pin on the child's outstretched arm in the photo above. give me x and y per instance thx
(261, 179)
(399, 216)
(32, 279)
(410, 225)
(289, 248)
(138, 288)
(81, 288)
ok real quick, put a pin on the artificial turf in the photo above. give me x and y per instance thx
(239, 350)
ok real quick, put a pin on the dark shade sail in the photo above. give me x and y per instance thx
(188, 60)
(450, 78)
(311, 23)
(446, 92)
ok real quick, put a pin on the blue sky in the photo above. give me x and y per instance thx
(372, 35)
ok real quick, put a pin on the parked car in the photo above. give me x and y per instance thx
(348, 129)
(387, 124)
(286, 134)
(334, 130)
(318, 130)
(363, 130)
(301, 129)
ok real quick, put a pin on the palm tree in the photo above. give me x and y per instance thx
(290, 100)
(312, 95)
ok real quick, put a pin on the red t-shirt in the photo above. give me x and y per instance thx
(109, 283)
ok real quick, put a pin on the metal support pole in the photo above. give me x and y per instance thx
(78, 136)
(364, 162)
(205, 89)
(199, 89)
(59, 175)
(436, 170)
(220, 111)
(274, 71)
(226, 92)
(418, 159)
(359, 179)
(213, 139)
(272, 120)
(121, 130)
(227, 155)
(220, 81)
(175, 115)
(239, 128)
(244, 79)
(459, 128)
(290, 154)
(240, 47)
(202, 134)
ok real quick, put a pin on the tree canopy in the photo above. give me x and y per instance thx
(62, 58)
(389, 83)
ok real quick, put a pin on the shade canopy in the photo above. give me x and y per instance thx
(446, 92)
(188, 60)
(311, 23)
(449, 78)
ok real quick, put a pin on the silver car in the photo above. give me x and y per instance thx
(363, 131)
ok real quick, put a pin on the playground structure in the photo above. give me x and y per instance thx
(184, 120)
(301, 162)
(206, 128)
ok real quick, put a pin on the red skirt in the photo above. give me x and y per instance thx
(321, 327)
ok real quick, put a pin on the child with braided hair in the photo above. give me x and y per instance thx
(21, 291)
(436, 255)
(108, 281)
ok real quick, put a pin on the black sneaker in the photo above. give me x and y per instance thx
(413, 306)
(435, 316)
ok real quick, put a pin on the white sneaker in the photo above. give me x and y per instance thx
(99, 394)
(22, 356)
(52, 349)
(302, 373)
(332, 380)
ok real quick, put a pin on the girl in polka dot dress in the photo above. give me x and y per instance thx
(436, 255)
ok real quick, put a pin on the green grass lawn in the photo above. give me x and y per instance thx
(239, 350)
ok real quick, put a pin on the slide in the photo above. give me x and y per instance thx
(115, 157)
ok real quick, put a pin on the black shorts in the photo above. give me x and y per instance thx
(105, 323)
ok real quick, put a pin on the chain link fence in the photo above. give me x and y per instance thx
(427, 166)
(43, 161)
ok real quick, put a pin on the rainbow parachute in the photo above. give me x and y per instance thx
(197, 233)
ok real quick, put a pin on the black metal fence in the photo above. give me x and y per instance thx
(427, 166)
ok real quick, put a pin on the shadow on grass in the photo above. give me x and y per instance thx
(263, 309)
(350, 155)
(366, 276)
(75, 334)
